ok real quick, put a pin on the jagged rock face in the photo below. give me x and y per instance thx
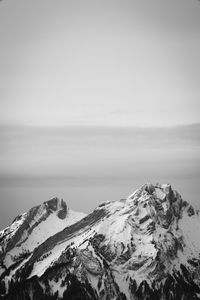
(30, 229)
(144, 247)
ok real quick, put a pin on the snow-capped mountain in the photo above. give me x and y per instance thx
(31, 229)
(144, 247)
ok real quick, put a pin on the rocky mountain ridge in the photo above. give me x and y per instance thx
(143, 247)
(30, 229)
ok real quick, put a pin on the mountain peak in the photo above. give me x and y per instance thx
(141, 247)
(55, 204)
(160, 202)
(32, 228)
(161, 191)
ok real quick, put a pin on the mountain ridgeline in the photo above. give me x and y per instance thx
(146, 246)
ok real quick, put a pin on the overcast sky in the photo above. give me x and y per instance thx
(91, 93)
(108, 62)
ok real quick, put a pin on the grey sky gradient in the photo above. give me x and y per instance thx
(97, 98)
(88, 62)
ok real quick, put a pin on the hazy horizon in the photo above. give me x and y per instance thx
(86, 165)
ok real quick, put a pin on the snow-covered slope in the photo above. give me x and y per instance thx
(144, 247)
(31, 229)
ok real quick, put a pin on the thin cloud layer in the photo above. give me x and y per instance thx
(79, 162)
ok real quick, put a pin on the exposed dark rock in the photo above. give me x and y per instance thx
(190, 211)
(62, 213)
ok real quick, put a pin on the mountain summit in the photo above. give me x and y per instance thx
(146, 246)
(32, 228)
